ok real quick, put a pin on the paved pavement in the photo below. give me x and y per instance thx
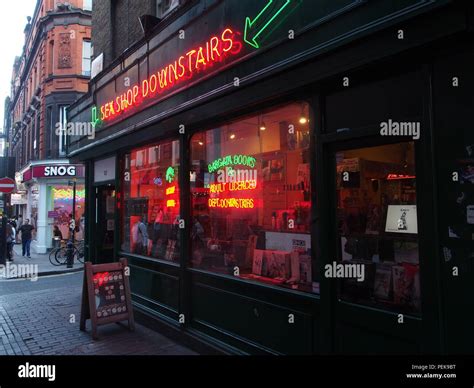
(42, 318)
(37, 265)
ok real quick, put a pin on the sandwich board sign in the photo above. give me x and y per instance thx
(106, 295)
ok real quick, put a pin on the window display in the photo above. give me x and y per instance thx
(250, 186)
(150, 213)
(377, 226)
(61, 208)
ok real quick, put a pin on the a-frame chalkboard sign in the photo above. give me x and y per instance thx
(106, 295)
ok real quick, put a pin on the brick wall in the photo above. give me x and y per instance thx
(115, 25)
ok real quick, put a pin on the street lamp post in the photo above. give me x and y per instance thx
(72, 226)
(73, 183)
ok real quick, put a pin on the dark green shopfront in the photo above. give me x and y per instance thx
(291, 177)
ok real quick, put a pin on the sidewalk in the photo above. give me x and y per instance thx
(42, 318)
(38, 265)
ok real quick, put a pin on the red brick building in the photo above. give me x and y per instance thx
(52, 72)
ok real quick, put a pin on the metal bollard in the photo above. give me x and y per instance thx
(70, 254)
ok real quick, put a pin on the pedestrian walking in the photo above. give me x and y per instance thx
(71, 226)
(26, 231)
(10, 241)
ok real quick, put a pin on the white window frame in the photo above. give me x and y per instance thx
(62, 138)
(86, 58)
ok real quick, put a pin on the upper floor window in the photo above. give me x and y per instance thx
(62, 133)
(87, 5)
(164, 7)
(86, 58)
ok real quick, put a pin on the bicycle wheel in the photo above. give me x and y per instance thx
(52, 257)
(61, 255)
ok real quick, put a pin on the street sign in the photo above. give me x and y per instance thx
(7, 185)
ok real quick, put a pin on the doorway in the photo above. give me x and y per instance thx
(104, 223)
(377, 267)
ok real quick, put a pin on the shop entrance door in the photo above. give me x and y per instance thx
(377, 268)
(105, 224)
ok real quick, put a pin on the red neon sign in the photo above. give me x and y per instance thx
(235, 203)
(232, 186)
(215, 50)
(391, 177)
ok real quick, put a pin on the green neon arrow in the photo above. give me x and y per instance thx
(251, 32)
(95, 119)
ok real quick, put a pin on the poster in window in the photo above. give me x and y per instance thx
(273, 169)
(383, 281)
(303, 177)
(466, 175)
(401, 219)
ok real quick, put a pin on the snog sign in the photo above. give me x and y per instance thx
(58, 171)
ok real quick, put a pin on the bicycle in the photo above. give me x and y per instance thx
(58, 256)
(52, 255)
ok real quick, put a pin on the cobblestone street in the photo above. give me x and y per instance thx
(42, 318)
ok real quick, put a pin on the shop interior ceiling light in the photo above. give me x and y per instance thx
(303, 119)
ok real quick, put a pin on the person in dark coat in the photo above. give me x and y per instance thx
(26, 231)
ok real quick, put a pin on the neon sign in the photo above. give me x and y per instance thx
(170, 174)
(185, 67)
(232, 160)
(236, 203)
(253, 31)
(170, 203)
(392, 177)
(216, 188)
(170, 190)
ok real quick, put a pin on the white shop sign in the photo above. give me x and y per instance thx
(104, 170)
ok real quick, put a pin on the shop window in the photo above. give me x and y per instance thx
(61, 196)
(377, 228)
(150, 210)
(250, 187)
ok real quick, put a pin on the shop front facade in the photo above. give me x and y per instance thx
(47, 200)
(280, 177)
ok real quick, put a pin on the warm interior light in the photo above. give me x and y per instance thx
(200, 143)
(303, 118)
(263, 127)
(232, 137)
